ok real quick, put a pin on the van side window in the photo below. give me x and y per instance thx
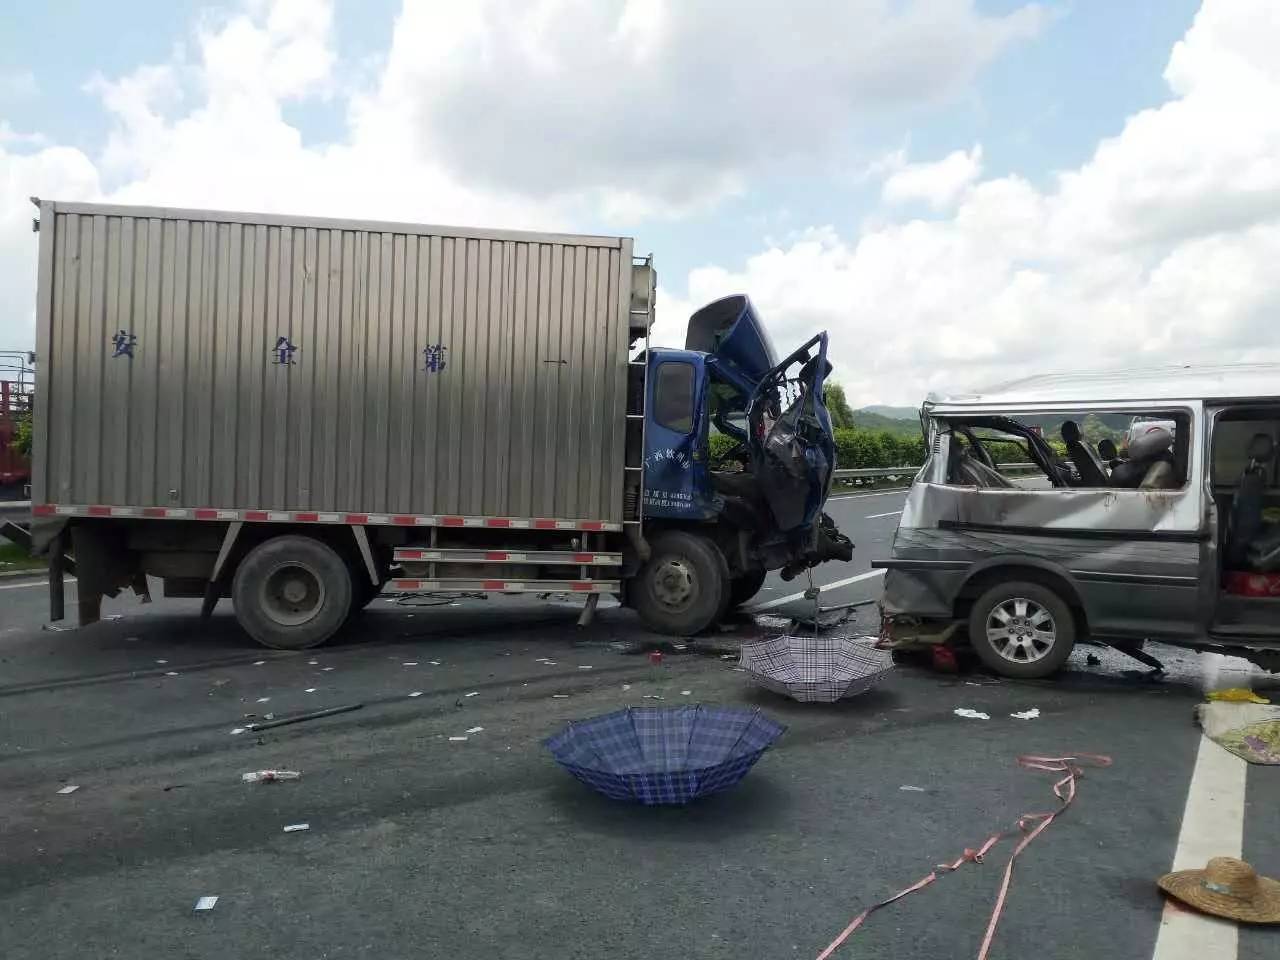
(1136, 450)
(673, 396)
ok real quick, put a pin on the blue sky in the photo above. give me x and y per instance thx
(799, 149)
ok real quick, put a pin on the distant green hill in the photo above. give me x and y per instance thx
(893, 413)
(896, 425)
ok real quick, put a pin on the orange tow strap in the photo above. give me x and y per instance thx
(1031, 825)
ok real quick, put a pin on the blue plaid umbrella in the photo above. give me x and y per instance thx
(658, 755)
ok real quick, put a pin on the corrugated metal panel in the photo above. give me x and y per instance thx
(524, 418)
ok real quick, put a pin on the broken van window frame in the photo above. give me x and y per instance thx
(1053, 466)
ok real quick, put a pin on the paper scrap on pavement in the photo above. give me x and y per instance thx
(434, 663)
(237, 731)
(162, 662)
(1026, 714)
(258, 663)
(457, 739)
(416, 693)
(171, 673)
(685, 693)
(264, 699)
(70, 788)
(910, 789)
(971, 714)
(295, 827)
(476, 730)
(559, 696)
(325, 669)
(206, 903)
(309, 690)
(409, 663)
(473, 693)
(626, 686)
(652, 696)
(584, 666)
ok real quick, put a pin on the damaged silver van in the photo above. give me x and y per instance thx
(1147, 507)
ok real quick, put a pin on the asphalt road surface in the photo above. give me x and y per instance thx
(420, 845)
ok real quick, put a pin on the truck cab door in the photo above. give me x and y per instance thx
(790, 438)
(676, 476)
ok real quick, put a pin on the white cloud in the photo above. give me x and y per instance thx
(667, 102)
(524, 114)
(938, 184)
(1162, 247)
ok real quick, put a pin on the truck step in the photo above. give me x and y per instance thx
(465, 585)
(457, 555)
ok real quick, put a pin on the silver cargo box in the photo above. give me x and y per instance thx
(209, 359)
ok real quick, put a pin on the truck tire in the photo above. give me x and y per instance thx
(1022, 629)
(292, 592)
(743, 588)
(683, 588)
(363, 591)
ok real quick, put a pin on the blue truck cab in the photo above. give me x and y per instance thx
(712, 531)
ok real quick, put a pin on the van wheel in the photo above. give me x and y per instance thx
(292, 592)
(684, 586)
(1022, 629)
(743, 588)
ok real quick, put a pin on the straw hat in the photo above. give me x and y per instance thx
(1227, 887)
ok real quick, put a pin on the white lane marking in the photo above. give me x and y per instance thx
(32, 583)
(877, 516)
(1212, 826)
(864, 496)
(790, 598)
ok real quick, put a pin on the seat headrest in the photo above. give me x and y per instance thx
(1070, 431)
(1107, 448)
(1150, 442)
(1261, 447)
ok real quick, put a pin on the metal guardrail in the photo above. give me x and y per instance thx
(869, 473)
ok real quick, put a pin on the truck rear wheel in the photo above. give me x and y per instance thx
(684, 587)
(292, 592)
(743, 588)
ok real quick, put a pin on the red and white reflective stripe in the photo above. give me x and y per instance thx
(504, 586)
(312, 516)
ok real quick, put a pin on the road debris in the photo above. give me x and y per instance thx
(651, 696)
(971, 714)
(162, 662)
(325, 669)
(1029, 826)
(685, 693)
(313, 663)
(295, 827)
(1026, 714)
(457, 739)
(912, 789)
(815, 669)
(476, 730)
(473, 693)
(171, 673)
(264, 700)
(559, 696)
(269, 776)
(206, 903)
(299, 718)
(416, 693)
(237, 731)
(584, 666)
(1249, 730)
(409, 663)
(310, 690)
(626, 686)
(434, 663)
(69, 788)
(258, 663)
(720, 743)
(655, 657)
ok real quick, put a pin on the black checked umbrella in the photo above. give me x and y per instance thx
(816, 669)
(655, 755)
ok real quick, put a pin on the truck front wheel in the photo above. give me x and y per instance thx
(292, 592)
(743, 588)
(684, 587)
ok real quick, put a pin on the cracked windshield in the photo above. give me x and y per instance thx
(636, 479)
